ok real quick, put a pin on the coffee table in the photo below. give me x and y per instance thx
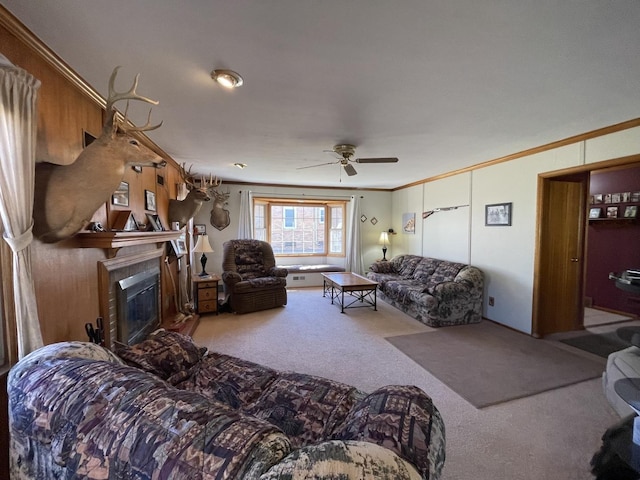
(360, 290)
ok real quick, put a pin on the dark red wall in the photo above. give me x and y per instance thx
(613, 246)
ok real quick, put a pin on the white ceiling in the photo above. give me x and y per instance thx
(440, 84)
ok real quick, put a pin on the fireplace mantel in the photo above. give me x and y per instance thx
(113, 241)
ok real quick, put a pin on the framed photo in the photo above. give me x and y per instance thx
(150, 200)
(616, 197)
(121, 195)
(595, 212)
(409, 223)
(131, 225)
(626, 197)
(597, 198)
(635, 197)
(154, 221)
(179, 245)
(631, 211)
(498, 214)
(607, 198)
(199, 229)
(612, 212)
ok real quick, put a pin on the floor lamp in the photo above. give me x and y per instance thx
(203, 246)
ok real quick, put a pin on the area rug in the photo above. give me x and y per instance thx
(605, 343)
(486, 363)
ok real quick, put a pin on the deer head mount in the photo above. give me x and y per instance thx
(220, 217)
(67, 196)
(182, 211)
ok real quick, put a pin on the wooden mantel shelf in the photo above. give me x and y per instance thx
(112, 241)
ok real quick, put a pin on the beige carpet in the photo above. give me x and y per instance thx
(549, 436)
(488, 364)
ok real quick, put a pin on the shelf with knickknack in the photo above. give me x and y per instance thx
(112, 241)
(614, 208)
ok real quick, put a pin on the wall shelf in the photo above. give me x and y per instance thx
(113, 241)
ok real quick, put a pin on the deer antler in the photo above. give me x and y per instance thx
(211, 183)
(128, 95)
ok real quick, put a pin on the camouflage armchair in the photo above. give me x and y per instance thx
(251, 279)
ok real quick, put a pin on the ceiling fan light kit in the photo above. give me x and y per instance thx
(227, 78)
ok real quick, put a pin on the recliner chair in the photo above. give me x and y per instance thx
(251, 279)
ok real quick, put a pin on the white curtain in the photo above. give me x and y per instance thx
(245, 220)
(354, 248)
(18, 125)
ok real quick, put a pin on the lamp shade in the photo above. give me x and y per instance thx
(384, 239)
(203, 245)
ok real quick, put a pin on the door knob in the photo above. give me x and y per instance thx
(574, 260)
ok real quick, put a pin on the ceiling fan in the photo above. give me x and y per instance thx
(345, 152)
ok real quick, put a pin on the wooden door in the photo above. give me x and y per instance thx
(559, 283)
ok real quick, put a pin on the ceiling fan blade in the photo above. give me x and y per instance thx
(376, 160)
(350, 170)
(317, 165)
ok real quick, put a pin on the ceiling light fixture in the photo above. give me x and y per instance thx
(227, 78)
(240, 165)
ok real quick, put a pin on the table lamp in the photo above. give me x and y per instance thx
(384, 241)
(203, 246)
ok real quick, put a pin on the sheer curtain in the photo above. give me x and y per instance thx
(245, 220)
(354, 249)
(18, 125)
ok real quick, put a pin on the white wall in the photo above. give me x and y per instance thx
(373, 204)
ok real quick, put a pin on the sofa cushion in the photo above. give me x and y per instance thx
(382, 267)
(305, 407)
(403, 419)
(253, 284)
(425, 269)
(166, 354)
(338, 460)
(249, 259)
(444, 272)
(228, 379)
(409, 264)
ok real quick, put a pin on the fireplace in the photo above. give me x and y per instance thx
(138, 300)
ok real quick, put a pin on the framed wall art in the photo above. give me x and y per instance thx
(498, 214)
(612, 212)
(154, 221)
(595, 212)
(199, 229)
(121, 196)
(179, 245)
(150, 200)
(409, 223)
(631, 211)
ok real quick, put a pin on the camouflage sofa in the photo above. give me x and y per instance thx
(167, 409)
(436, 292)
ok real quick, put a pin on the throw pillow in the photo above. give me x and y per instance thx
(165, 354)
(337, 460)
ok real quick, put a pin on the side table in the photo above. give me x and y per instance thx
(205, 293)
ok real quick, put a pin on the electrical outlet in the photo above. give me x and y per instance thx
(492, 301)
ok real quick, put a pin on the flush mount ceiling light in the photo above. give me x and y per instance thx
(227, 78)
(240, 165)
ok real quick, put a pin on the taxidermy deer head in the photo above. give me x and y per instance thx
(220, 217)
(182, 211)
(67, 196)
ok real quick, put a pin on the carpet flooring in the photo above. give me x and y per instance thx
(603, 344)
(487, 364)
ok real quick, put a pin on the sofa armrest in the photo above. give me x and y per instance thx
(382, 266)
(277, 272)
(450, 290)
(231, 278)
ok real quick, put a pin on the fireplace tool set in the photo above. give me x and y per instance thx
(96, 335)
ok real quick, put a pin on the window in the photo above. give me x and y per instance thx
(301, 227)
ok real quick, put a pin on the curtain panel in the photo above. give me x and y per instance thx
(18, 128)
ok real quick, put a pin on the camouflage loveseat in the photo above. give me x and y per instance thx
(167, 409)
(436, 292)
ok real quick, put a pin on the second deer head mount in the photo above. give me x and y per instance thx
(67, 196)
(182, 211)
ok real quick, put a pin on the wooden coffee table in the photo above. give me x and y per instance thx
(360, 290)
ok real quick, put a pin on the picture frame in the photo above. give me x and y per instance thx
(199, 229)
(121, 196)
(124, 221)
(150, 200)
(155, 222)
(612, 212)
(498, 214)
(631, 211)
(635, 197)
(616, 197)
(595, 212)
(409, 223)
(179, 245)
(597, 198)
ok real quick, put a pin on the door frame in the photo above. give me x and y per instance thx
(539, 326)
